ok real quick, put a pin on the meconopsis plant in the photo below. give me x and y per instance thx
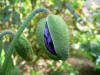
(52, 34)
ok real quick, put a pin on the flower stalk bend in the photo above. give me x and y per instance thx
(16, 37)
(4, 32)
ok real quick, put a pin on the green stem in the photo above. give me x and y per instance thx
(4, 32)
(0, 52)
(0, 47)
(16, 37)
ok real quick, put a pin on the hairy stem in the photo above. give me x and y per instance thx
(4, 32)
(16, 37)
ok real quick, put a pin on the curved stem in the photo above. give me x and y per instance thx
(4, 32)
(16, 37)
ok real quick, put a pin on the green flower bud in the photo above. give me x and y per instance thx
(24, 49)
(52, 34)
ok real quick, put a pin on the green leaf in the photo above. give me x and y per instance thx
(10, 67)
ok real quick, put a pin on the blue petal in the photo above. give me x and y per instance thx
(48, 40)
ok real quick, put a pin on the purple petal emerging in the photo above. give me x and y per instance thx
(48, 40)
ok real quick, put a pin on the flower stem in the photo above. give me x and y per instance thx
(4, 32)
(16, 37)
(0, 48)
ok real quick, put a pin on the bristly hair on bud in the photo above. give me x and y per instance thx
(24, 49)
(53, 35)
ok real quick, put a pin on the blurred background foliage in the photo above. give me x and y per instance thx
(84, 26)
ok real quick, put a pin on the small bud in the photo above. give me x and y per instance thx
(24, 49)
(52, 33)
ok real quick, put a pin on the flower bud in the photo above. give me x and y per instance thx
(24, 49)
(53, 36)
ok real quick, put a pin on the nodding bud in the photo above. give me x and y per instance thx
(24, 49)
(53, 36)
